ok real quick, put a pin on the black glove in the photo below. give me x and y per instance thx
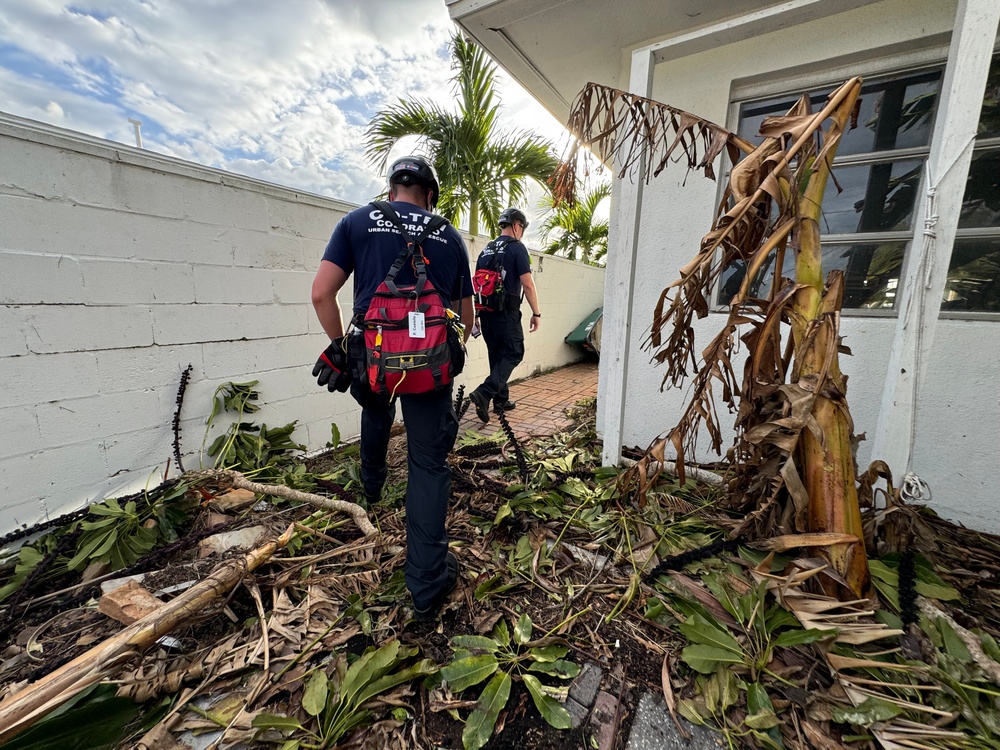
(331, 368)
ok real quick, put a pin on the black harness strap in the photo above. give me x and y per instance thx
(412, 246)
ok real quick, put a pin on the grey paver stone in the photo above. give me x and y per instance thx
(577, 713)
(585, 686)
(653, 729)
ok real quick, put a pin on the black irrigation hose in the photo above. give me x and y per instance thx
(522, 465)
(185, 377)
(686, 558)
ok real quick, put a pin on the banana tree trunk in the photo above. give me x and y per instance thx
(825, 453)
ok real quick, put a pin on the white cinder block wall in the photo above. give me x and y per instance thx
(119, 267)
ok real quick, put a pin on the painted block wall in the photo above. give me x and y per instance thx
(956, 449)
(120, 267)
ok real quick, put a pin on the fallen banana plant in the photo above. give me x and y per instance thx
(30, 704)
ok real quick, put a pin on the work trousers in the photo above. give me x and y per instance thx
(505, 346)
(431, 428)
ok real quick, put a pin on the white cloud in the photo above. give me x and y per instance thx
(281, 91)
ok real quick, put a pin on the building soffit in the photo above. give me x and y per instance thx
(555, 47)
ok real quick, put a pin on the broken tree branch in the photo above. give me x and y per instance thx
(354, 510)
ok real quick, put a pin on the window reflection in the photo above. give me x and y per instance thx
(873, 197)
(894, 113)
(981, 203)
(874, 194)
(974, 276)
(871, 273)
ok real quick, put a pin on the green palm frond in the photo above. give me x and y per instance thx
(578, 235)
(481, 167)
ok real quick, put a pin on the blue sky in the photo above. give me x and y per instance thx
(281, 90)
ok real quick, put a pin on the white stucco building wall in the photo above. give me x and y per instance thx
(958, 408)
(119, 267)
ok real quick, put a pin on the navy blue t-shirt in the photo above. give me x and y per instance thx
(515, 262)
(366, 243)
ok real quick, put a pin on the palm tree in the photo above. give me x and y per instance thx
(481, 167)
(581, 237)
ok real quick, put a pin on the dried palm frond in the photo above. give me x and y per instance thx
(636, 134)
(854, 626)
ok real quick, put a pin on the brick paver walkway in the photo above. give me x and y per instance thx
(541, 401)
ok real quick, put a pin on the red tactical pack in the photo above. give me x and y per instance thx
(488, 289)
(397, 362)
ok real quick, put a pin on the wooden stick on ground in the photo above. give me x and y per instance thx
(24, 708)
(354, 510)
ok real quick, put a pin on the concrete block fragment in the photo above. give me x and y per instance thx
(577, 713)
(294, 287)
(654, 729)
(128, 603)
(41, 378)
(76, 328)
(602, 720)
(20, 433)
(221, 543)
(36, 278)
(137, 281)
(231, 285)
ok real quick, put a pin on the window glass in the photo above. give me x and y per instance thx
(872, 197)
(974, 276)
(894, 113)
(872, 194)
(871, 273)
(974, 269)
(989, 118)
(981, 203)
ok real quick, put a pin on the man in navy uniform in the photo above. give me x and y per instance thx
(502, 330)
(366, 244)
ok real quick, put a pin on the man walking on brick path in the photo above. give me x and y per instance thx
(500, 313)
(367, 244)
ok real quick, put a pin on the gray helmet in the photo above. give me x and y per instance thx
(510, 215)
(415, 170)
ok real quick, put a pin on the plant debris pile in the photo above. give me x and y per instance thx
(563, 572)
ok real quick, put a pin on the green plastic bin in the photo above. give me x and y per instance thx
(587, 335)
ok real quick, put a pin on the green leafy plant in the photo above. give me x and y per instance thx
(336, 697)
(120, 535)
(723, 654)
(244, 445)
(28, 558)
(502, 657)
(95, 719)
